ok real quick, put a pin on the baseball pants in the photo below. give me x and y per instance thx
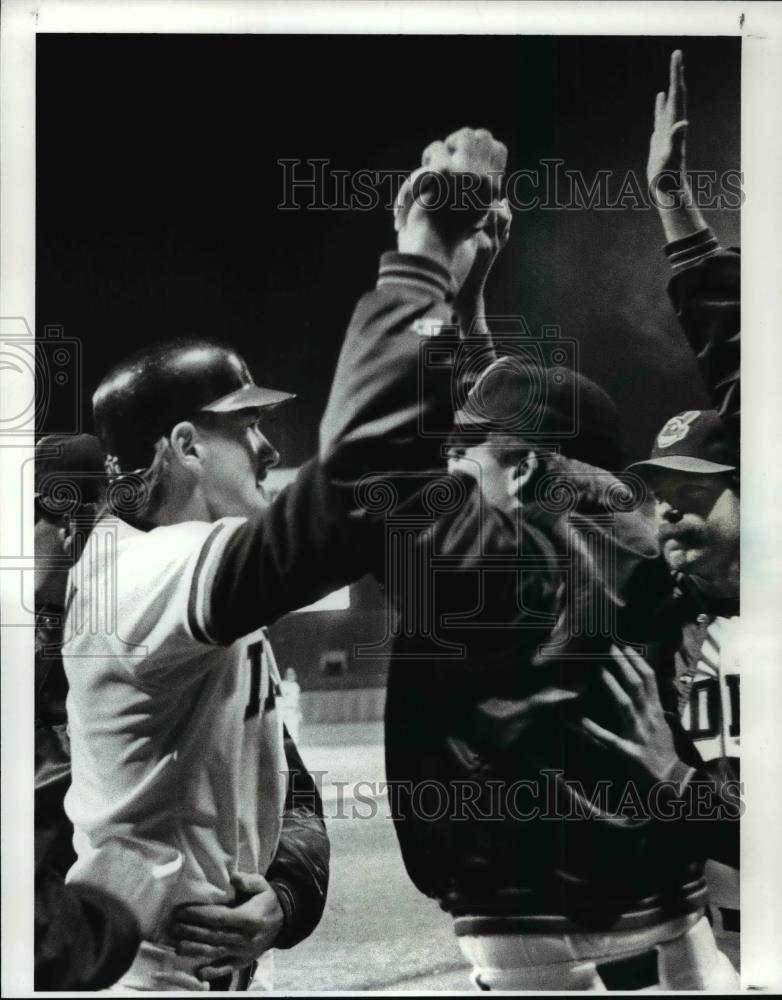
(680, 954)
(158, 968)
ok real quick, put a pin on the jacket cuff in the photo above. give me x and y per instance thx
(287, 936)
(692, 249)
(413, 270)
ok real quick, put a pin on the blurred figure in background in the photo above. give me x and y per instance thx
(290, 703)
(84, 938)
(69, 486)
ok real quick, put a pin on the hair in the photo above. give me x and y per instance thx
(133, 496)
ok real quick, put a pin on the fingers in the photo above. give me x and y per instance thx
(621, 698)
(659, 109)
(476, 150)
(208, 915)
(673, 76)
(628, 677)
(645, 672)
(680, 103)
(602, 735)
(436, 156)
(192, 934)
(207, 954)
(504, 217)
(211, 972)
(249, 883)
(404, 200)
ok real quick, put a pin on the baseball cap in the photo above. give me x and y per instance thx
(141, 399)
(693, 441)
(546, 406)
(68, 471)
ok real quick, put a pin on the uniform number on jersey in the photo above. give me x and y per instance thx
(732, 681)
(703, 718)
(255, 656)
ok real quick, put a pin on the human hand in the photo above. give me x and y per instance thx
(488, 242)
(666, 166)
(447, 200)
(228, 937)
(645, 740)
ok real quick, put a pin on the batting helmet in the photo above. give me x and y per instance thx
(142, 398)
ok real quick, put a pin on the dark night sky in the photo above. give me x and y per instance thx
(158, 184)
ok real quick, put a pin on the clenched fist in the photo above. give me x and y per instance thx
(446, 202)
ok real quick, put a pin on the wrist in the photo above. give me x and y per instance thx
(679, 223)
(470, 308)
(286, 899)
(424, 240)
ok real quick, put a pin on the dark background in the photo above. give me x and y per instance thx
(158, 184)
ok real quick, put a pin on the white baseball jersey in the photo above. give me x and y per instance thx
(712, 714)
(179, 772)
(712, 717)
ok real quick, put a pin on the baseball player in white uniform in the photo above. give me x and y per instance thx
(179, 776)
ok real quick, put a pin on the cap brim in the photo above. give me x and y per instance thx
(463, 418)
(682, 463)
(248, 397)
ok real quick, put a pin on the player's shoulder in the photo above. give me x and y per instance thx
(177, 543)
(149, 552)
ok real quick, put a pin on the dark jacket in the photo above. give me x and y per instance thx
(85, 939)
(706, 294)
(299, 871)
(509, 604)
(52, 746)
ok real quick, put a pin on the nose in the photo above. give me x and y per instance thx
(267, 453)
(668, 513)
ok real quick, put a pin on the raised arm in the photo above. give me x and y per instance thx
(391, 397)
(666, 168)
(391, 403)
(705, 288)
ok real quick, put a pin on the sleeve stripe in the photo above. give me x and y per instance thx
(412, 269)
(692, 249)
(195, 600)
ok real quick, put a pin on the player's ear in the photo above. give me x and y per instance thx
(186, 445)
(526, 468)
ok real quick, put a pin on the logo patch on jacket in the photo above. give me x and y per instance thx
(427, 326)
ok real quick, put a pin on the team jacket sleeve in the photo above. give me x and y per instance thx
(389, 411)
(390, 401)
(706, 293)
(85, 939)
(299, 871)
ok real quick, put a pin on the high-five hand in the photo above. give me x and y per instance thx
(444, 205)
(666, 166)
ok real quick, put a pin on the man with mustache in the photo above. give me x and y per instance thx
(693, 473)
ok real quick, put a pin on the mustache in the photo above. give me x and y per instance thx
(686, 534)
